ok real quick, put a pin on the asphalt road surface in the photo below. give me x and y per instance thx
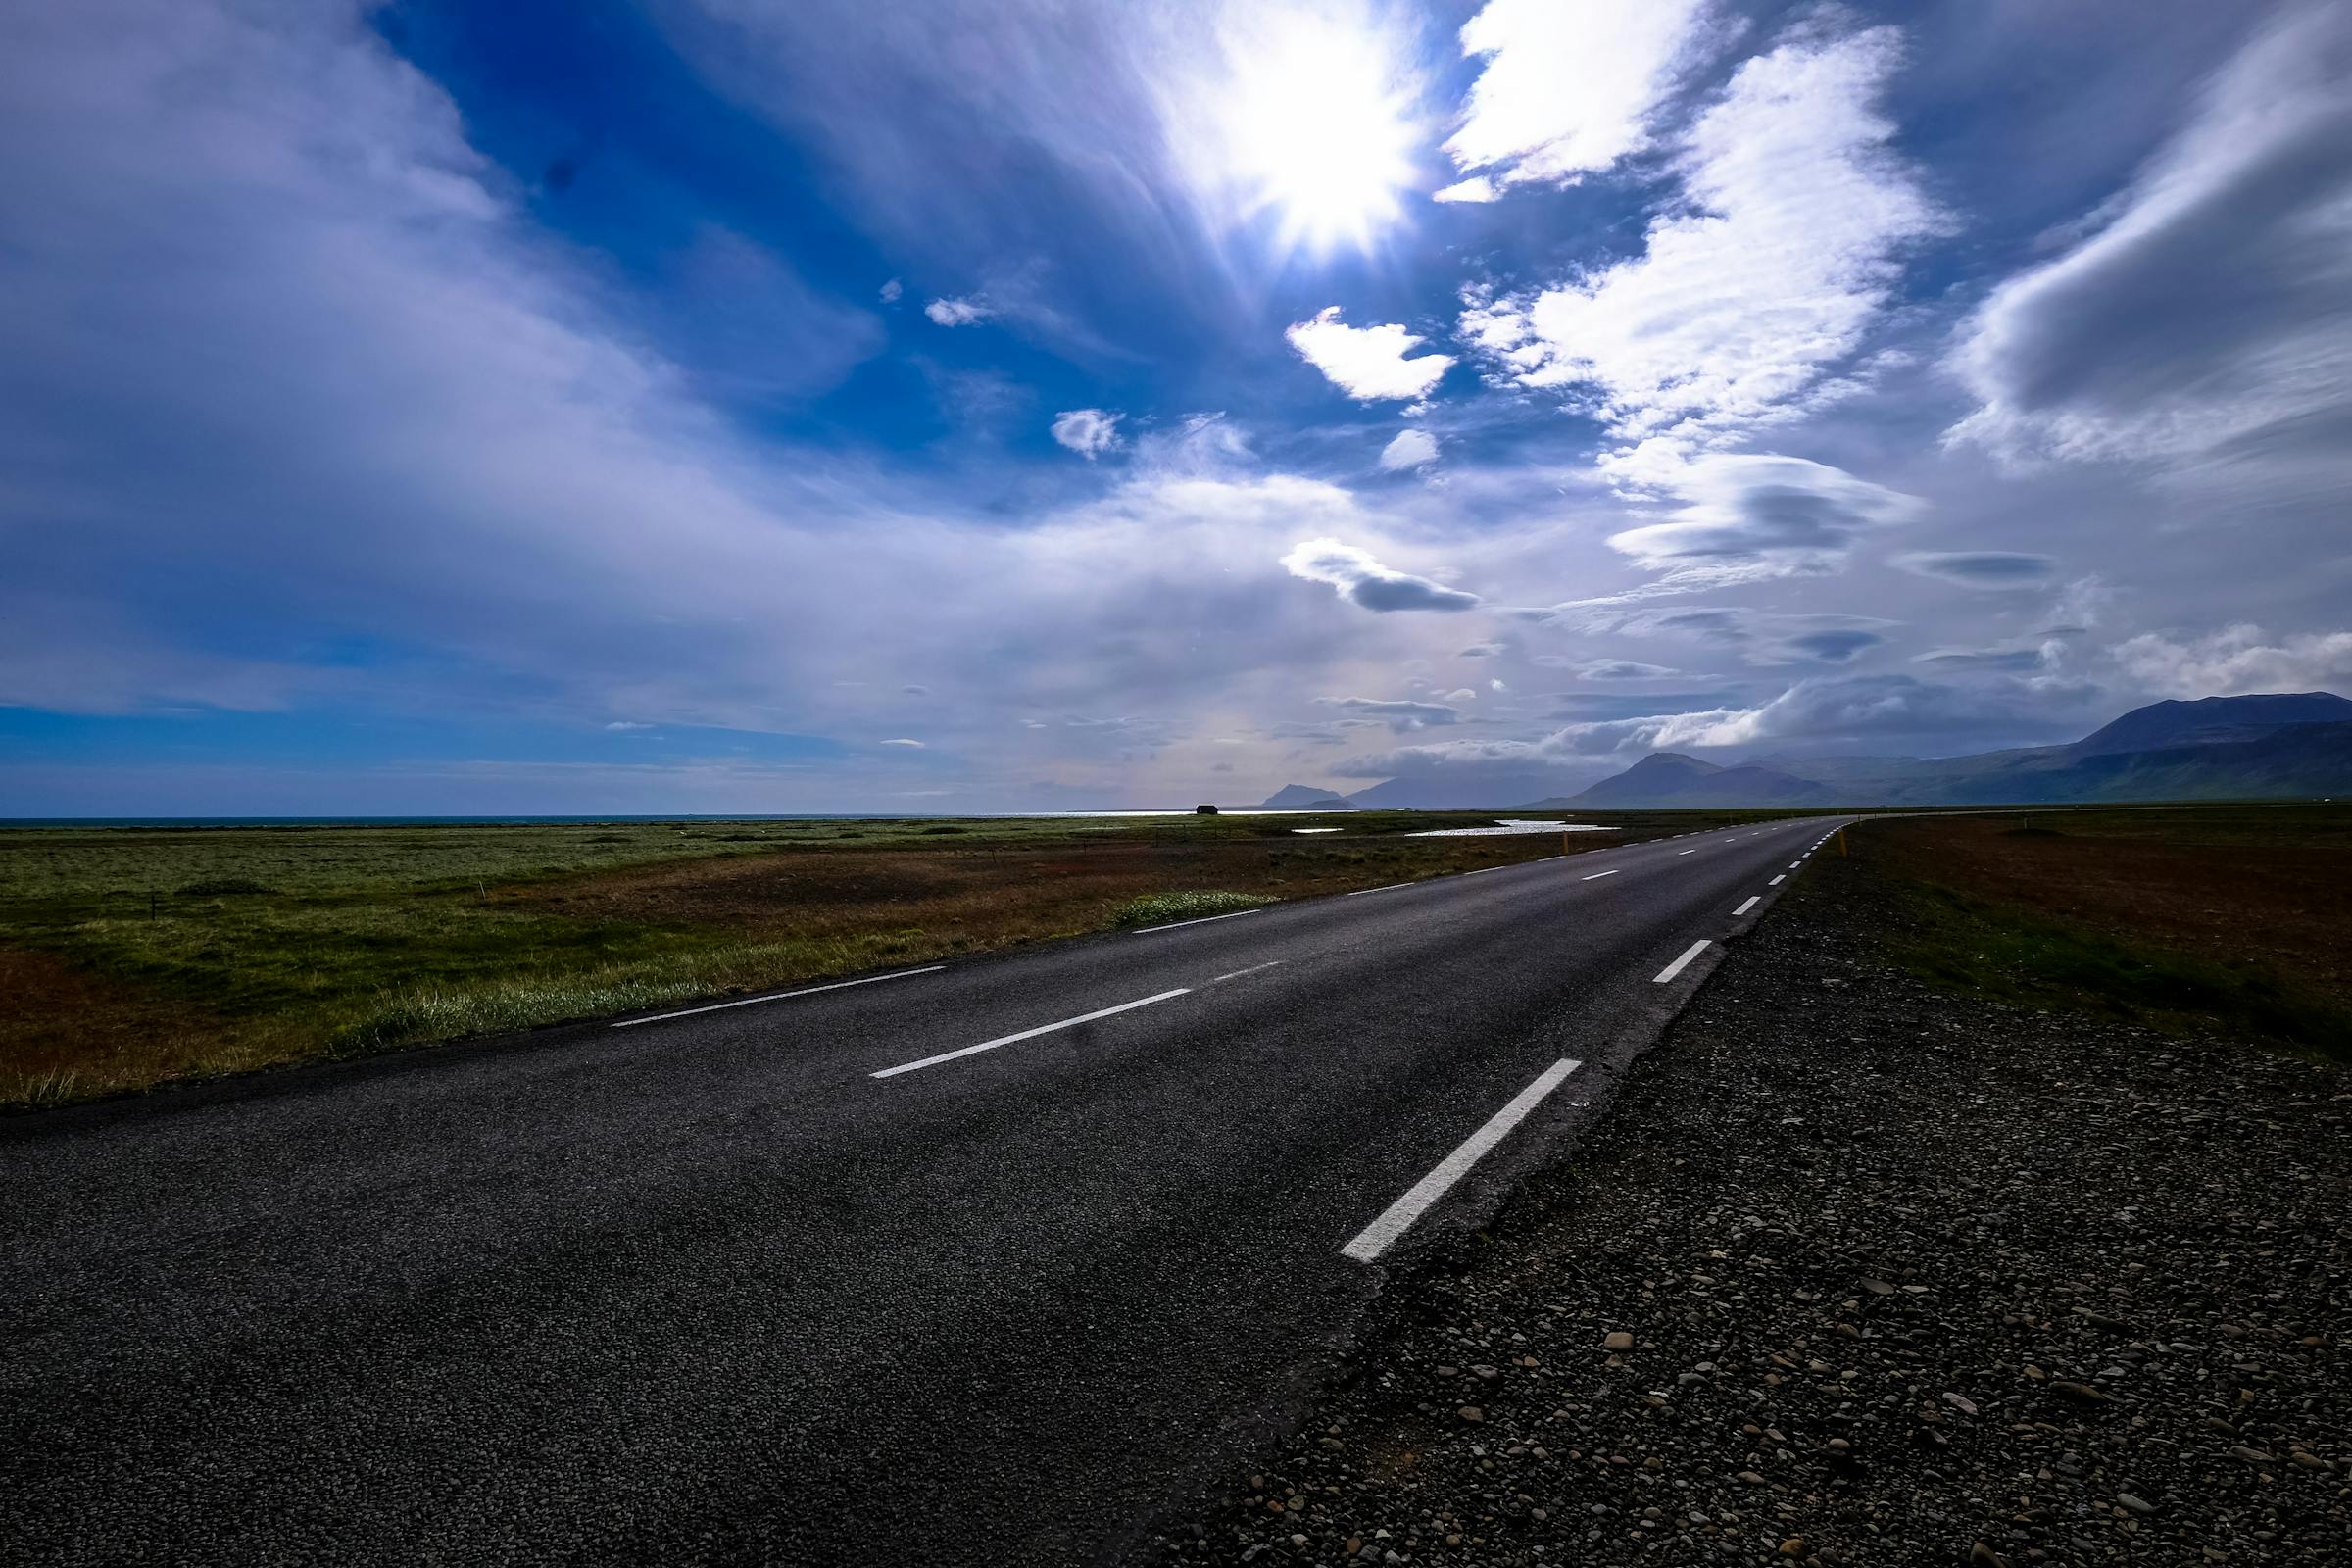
(980, 1263)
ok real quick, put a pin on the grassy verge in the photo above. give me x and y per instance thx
(1157, 908)
(2225, 919)
(133, 957)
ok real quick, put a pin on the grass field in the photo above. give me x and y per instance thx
(2229, 918)
(133, 957)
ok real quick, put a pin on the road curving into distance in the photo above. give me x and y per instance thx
(980, 1262)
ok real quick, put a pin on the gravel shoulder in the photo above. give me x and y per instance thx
(1861, 1272)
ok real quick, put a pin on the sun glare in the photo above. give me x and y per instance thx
(1319, 131)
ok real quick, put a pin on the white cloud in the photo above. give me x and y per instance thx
(1772, 267)
(1567, 89)
(891, 291)
(1364, 581)
(1088, 433)
(1477, 188)
(1411, 449)
(958, 312)
(916, 744)
(1367, 362)
(623, 726)
(2237, 660)
(1756, 516)
(2209, 318)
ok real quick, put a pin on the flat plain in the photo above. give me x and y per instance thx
(141, 955)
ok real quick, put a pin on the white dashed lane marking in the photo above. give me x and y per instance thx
(781, 996)
(1398, 1218)
(1681, 963)
(1029, 1034)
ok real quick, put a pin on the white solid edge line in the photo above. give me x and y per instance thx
(1027, 1034)
(1398, 1218)
(1754, 900)
(1777, 880)
(1679, 964)
(1385, 887)
(1598, 875)
(1200, 920)
(781, 996)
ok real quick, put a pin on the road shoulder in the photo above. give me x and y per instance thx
(1893, 1276)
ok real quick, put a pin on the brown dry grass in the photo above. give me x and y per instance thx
(66, 1034)
(987, 896)
(2235, 887)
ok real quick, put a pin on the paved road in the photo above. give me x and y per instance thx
(770, 1282)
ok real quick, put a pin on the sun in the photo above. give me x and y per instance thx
(1319, 129)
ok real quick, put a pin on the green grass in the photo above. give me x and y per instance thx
(417, 1014)
(1161, 907)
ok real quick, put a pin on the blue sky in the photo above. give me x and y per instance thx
(740, 405)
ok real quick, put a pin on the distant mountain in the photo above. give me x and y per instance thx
(2272, 747)
(1305, 797)
(1469, 793)
(1669, 778)
(2287, 763)
(2212, 719)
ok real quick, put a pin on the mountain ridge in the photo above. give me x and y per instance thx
(2273, 745)
(2270, 745)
